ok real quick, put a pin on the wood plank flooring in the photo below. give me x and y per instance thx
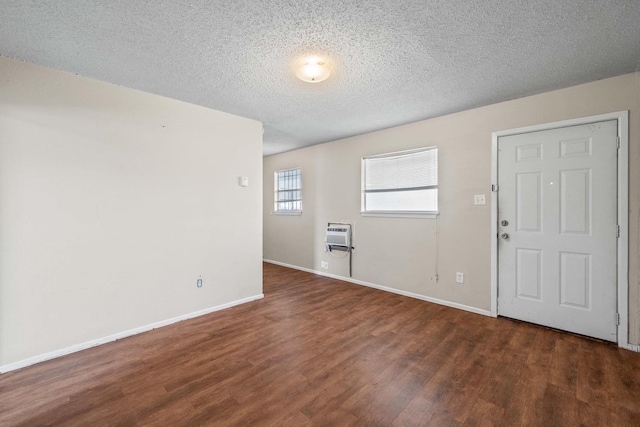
(317, 351)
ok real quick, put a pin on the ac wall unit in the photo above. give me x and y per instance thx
(339, 235)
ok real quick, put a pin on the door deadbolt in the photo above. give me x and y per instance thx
(504, 222)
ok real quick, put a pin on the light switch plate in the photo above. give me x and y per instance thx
(479, 199)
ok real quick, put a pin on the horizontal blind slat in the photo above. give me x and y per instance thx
(391, 190)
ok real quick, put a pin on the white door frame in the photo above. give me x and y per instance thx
(623, 211)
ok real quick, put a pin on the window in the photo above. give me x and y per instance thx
(288, 192)
(402, 184)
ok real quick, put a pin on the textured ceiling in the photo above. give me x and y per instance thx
(396, 61)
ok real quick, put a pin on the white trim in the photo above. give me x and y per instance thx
(93, 343)
(290, 213)
(631, 347)
(623, 223)
(401, 153)
(400, 214)
(623, 211)
(494, 225)
(386, 289)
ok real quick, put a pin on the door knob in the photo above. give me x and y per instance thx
(504, 236)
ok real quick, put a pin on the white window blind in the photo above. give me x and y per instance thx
(288, 191)
(401, 182)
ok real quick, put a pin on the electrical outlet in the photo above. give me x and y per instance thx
(479, 199)
(324, 264)
(460, 277)
(199, 282)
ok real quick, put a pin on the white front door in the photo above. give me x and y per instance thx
(557, 224)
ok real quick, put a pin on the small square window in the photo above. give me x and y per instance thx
(288, 191)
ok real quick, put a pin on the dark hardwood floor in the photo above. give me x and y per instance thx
(317, 351)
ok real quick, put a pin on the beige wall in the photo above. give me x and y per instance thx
(112, 203)
(403, 253)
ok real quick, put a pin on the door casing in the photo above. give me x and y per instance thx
(623, 211)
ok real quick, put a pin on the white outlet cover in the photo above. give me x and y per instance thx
(479, 199)
(460, 277)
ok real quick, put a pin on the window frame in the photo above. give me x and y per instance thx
(396, 213)
(276, 191)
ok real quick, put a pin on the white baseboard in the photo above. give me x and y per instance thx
(631, 347)
(387, 289)
(85, 345)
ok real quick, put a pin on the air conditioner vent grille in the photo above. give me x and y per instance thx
(339, 236)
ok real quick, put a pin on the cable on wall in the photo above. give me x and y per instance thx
(436, 255)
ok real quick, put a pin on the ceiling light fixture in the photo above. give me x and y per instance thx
(313, 69)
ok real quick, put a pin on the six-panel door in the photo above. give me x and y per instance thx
(557, 255)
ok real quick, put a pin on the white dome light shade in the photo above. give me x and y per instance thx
(313, 69)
